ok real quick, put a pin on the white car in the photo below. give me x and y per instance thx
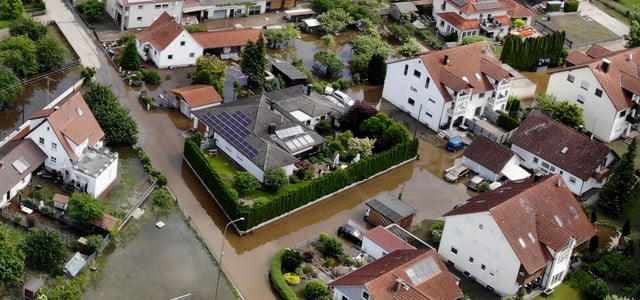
(343, 97)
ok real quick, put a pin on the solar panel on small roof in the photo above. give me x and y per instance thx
(487, 5)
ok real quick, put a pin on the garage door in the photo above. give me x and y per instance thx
(220, 14)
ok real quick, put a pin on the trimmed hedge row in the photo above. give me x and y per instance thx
(277, 280)
(327, 184)
(507, 122)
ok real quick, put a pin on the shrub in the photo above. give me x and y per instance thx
(196, 28)
(291, 260)
(330, 246)
(275, 274)
(308, 256)
(275, 179)
(151, 77)
(245, 183)
(553, 7)
(309, 272)
(571, 6)
(348, 260)
(315, 289)
(507, 122)
(291, 278)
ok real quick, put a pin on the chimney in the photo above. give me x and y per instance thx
(56, 107)
(272, 128)
(446, 60)
(605, 65)
(559, 181)
(309, 88)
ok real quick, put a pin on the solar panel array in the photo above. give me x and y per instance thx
(487, 5)
(233, 128)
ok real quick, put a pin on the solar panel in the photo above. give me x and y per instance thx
(459, 3)
(487, 5)
(233, 128)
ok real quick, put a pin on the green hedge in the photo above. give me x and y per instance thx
(327, 184)
(275, 275)
(553, 7)
(507, 122)
(571, 6)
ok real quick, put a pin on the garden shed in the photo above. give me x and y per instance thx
(397, 10)
(32, 287)
(387, 208)
(75, 264)
(289, 73)
(60, 201)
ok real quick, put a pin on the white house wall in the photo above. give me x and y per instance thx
(181, 55)
(599, 114)
(4, 201)
(477, 236)
(352, 292)
(97, 185)
(58, 153)
(429, 105)
(373, 249)
(139, 15)
(558, 269)
(239, 158)
(479, 169)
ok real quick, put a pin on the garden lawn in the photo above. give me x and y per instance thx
(4, 24)
(630, 3)
(562, 292)
(53, 32)
(578, 30)
(15, 234)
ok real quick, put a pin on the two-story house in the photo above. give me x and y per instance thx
(606, 85)
(72, 139)
(490, 18)
(401, 274)
(167, 44)
(549, 147)
(141, 13)
(444, 88)
(522, 234)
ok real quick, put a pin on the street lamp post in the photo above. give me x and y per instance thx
(224, 239)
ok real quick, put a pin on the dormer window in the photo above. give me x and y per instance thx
(365, 295)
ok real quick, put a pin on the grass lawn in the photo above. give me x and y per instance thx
(579, 30)
(561, 292)
(53, 32)
(4, 23)
(15, 234)
(629, 3)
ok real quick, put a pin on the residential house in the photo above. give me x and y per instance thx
(493, 161)
(606, 85)
(257, 136)
(167, 44)
(549, 147)
(522, 234)
(72, 139)
(18, 159)
(387, 208)
(142, 13)
(305, 106)
(220, 9)
(226, 43)
(380, 241)
(196, 97)
(402, 274)
(490, 18)
(289, 73)
(447, 87)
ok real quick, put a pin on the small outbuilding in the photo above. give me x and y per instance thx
(60, 201)
(387, 209)
(75, 264)
(289, 73)
(32, 287)
(396, 10)
(196, 97)
(298, 14)
(310, 25)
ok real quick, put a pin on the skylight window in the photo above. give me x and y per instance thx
(532, 238)
(79, 111)
(573, 211)
(557, 218)
(522, 243)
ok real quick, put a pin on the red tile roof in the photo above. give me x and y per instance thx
(622, 62)
(578, 58)
(387, 278)
(470, 62)
(459, 22)
(560, 145)
(387, 240)
(73, 121)
(517, 10)
(198, 95)
(60, 198)
(161, 32)
(226, 38)
(108, 222)
(533, 212)
(488, 153)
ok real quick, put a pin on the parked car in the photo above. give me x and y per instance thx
(350, 233)
(456, 144)
(454, 173)
(476, 182)
(343, 97)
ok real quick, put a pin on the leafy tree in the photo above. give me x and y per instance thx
(330, 246)
(130, 60)
(323, 127)
(377, 69)
(93, 10)
(29, 27)
(277, 37)
(151, 77)
(291, 260)
(85, 208)
(621, 187)
(19, 54)
(370, 45)
(333, 64)
(523, 54)
(363, 146)
(87, 73)
(474, 39)
(513, 106)
(376, 125)
(321, 6)
(245, 183)
(410, 48)
(254, 63)
(315, 289)
(392, 136)
(11, 260)
(10, 86)
(633, 38)
(163, 201)
(51, 53)
(359, 112)
(328, 40)
(517, 23)
(366, 11)
(211, 71)
(597, 289)
(44, 250)
(93, 243)
(401, 33)
(275, 179)
(335, 20)
(563, 112)
(118, 126)
(11, 9)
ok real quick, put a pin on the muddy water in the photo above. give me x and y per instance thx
(36, 95)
